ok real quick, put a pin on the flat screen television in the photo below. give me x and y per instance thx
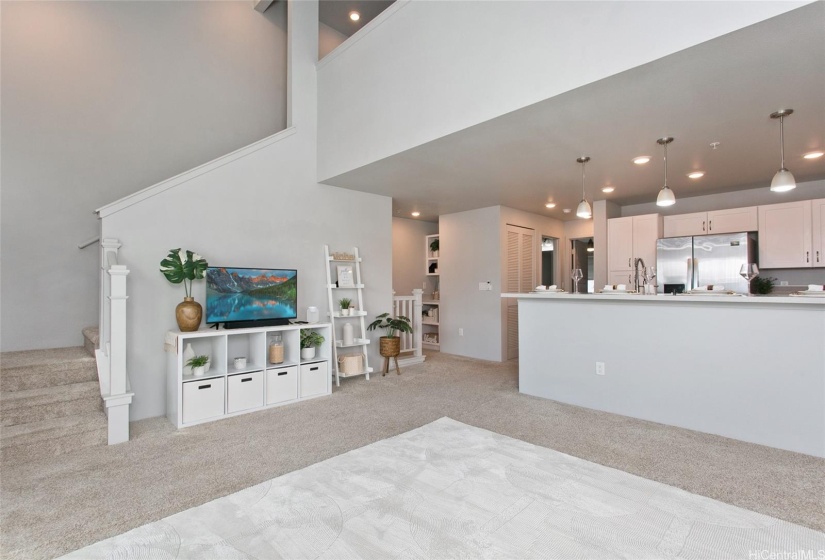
(251, 297)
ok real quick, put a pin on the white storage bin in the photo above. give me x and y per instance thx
(314, 379)
(281, 384)
(245, 391)
(203, 399)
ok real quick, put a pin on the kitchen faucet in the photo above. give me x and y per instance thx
(636, 264)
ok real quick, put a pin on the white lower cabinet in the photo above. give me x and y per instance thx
(281, 384)
(202, 399)
(314, 379)
(234, 386)
(244, 391)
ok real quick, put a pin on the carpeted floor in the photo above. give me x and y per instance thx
(51, 507)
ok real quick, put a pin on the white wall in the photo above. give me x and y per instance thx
(408, 254)
(99, 100)
(328, 39)
(263, 209)
(469, 253)
(412, 71)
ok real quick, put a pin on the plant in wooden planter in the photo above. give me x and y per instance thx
(390, 344)
(184, 269)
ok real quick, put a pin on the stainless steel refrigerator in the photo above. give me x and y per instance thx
(685, 263)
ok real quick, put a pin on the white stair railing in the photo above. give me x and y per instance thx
(410, 307)
(111, 356)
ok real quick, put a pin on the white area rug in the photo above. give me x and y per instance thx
(448, 490)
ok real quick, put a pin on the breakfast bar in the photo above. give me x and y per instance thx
(749, 368)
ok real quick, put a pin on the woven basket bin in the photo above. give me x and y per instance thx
(389, 347)
(351, 364)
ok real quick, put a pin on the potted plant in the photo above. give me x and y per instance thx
(434, 248)
(763, 284)
(345, 305)
(390, 343)
(309, 340)
(198, 364)
(188, 313)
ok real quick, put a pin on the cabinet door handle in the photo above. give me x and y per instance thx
(204, 386)
(628, 261)
(710, 225)
(313, 369)
(817, 256)
(807, 256)
(245, 380)
(703, 225)
(280, 373)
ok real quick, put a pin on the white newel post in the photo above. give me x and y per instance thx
(117, 350)
(107, 247)
(417, 326)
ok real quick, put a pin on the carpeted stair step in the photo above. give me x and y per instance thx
(91, 339)
(47, 438)
(34, 405)
(38, 369)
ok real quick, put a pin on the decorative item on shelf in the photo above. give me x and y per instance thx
(343, 257)
(345, 276)
(390, 344)
(345, 305)
(188, 313)
(239, 362)
(436, 295)
(312, 314)
(433, 268)
(352, 310)
(309, 340)
(198, 365)
(276, 349)
(763, 285)
(434, 249)
(188, 354)
(350, 364)
(348, 336)
(430, 338)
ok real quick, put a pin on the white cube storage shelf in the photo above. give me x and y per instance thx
(226, 390)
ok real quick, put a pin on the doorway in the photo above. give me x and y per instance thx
(581, 256)
(548, 260)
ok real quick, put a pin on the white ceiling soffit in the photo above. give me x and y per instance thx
(720, 91)
(262, 5)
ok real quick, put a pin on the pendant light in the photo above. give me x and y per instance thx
(583, 210)
(590, 246)
(666, 196)
(783, 181)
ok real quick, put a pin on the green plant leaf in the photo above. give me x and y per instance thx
(172, 267)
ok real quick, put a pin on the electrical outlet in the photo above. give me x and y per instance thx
(460, 332)
(783, 283)
(599, 368)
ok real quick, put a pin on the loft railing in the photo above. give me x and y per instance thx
(410, 307)
(111, 356)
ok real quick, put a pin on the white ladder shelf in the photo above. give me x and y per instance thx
(360, 337)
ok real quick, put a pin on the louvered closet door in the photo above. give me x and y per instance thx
(521, 277)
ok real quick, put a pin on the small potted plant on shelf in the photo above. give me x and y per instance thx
(390, 343)
(185, 269)
(198, 364)
(345, 305)
(309, 340)
(434, 248)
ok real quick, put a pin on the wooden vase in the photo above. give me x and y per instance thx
(188, 314)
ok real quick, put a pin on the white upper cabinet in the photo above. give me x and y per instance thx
(734, 220)
(632, 238)
(785, 235)
(818, 222)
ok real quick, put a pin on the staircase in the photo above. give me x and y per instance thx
(50, 403)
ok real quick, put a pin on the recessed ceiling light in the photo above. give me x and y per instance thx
(567, 210)
(696, 174)
(354, 16)
(608, 189)
(814, 155)
(641, 160)
(550, 205)
(416, 214)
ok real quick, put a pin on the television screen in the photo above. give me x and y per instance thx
(250, 294)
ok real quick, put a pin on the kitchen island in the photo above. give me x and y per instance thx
(749, 368)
